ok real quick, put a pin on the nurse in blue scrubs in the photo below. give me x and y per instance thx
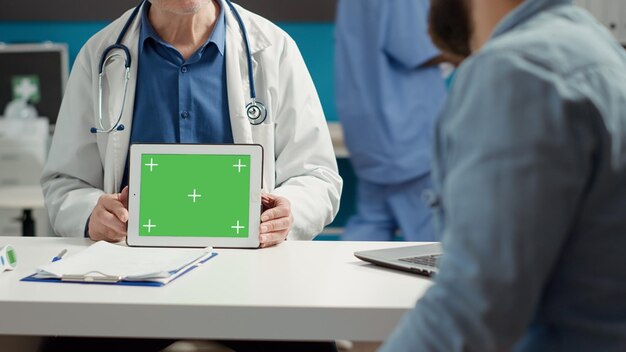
(389, 90)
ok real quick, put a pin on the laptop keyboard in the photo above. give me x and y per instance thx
(427, 260)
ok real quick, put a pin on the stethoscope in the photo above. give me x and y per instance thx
(255, 111)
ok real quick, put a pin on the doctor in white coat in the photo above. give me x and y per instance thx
(83, 175)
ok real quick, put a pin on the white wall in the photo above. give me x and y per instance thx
(612, 13)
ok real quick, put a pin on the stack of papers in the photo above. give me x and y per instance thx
(106, 262)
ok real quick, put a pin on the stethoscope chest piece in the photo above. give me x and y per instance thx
(256, 113)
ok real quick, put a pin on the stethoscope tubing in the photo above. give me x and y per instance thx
(244, 33)
(255, 111)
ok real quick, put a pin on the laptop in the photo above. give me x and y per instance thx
(420, 259)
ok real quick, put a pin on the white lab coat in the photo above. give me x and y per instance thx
(299, 161)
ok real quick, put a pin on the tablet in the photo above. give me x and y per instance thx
(194, 195)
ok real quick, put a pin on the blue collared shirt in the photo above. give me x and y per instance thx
(178, 100)
(387, 100)
(530, 157)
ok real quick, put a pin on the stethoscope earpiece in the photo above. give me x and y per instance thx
(119, 128)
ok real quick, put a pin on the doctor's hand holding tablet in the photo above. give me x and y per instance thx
(276, 220)
(193, 195)
(109, 219)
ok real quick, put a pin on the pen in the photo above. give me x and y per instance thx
(59, 256)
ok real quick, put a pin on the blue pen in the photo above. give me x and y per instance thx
(59, 256)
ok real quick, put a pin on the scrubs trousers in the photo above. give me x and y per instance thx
(383, 210)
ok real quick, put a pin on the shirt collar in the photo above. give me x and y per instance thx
(524, 12)
(217, 37)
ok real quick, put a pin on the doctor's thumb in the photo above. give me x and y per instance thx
(123, 197)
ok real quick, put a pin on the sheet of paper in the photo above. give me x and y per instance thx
(103, 258)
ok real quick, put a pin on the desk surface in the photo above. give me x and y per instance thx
(297, 290)
(21, 197)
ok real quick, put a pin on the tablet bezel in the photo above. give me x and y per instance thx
(256, 175)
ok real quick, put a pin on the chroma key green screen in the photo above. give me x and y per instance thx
(194, 195)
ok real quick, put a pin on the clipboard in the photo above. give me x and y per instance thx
(110, 279)
(133, 267)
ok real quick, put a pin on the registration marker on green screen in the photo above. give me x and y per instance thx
(194, 195)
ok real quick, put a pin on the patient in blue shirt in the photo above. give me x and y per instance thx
(530, 161)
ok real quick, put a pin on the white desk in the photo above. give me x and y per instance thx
(295, 291)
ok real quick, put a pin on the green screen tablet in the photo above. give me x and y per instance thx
(194, 195)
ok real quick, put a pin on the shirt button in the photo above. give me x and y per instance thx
(183, 69)
(184, 114)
